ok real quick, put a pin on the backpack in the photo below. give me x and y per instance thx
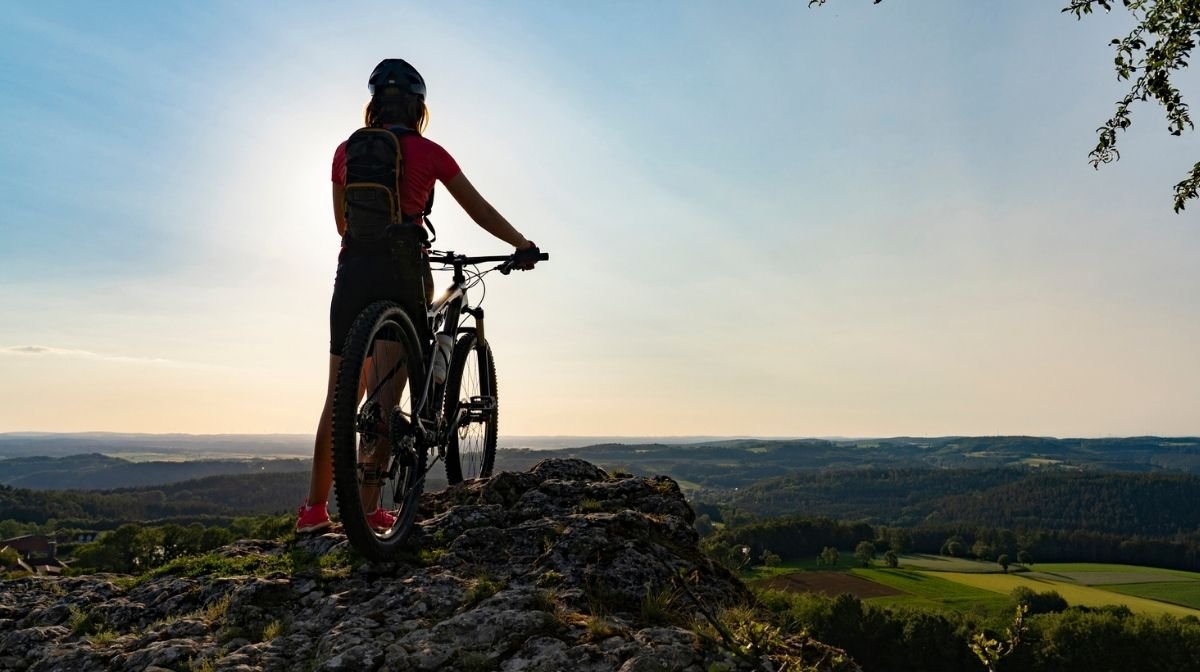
(374, 178)
(375, 224)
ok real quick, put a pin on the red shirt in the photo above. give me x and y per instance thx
(424, 162)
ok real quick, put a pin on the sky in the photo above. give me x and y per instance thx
(763, 219)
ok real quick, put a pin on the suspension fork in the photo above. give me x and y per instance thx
(480, 342)
(477, 313)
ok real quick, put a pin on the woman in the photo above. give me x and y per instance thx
(397, 103)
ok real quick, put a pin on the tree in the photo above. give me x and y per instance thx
(991, 651)
(954, 547)
(1155, 50)
(1049, 602)
(981, 549)
(1003, 562)
(1024, 558)
(891, 559)
(734, 557)
(1158, 46)
(829, 556)
(865, 552)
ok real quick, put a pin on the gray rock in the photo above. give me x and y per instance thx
(512, 568)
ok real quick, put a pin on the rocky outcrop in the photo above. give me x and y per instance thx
(563, 567)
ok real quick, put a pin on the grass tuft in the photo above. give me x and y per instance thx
(272, 630)
(599, 627)
(103, 637)
(660, 606)
(482, 587)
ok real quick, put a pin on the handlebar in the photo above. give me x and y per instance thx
(508, 266)
(508, 262)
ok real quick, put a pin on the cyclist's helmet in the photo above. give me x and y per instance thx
(395, 77)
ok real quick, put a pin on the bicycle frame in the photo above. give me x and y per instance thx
(444, 315)
(414, 423)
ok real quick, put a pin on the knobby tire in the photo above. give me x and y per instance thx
(381, 325)
(471, 450)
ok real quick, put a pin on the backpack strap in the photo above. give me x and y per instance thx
(399, 132)
(425, 216)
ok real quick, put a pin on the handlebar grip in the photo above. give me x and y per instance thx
(508, 266)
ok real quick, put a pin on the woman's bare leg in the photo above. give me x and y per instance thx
(322, 467)
(385, 356)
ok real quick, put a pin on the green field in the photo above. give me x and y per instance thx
(1105, 568)
(1073, 593)
(759, 572)
(944, 563)
(1185, 594)
(937, 582)
(926, 590)
(688, 486)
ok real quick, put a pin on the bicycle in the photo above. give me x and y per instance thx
(391, 411)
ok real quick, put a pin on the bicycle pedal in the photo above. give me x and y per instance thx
(479, 404)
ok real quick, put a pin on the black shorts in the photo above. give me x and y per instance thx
(362, 280)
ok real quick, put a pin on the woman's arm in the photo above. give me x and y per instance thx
(483, 213)
(339, 207)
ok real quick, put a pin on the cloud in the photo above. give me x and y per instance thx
(47, 351)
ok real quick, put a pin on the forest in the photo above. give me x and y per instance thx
(1077, 639)
(796, 538)
(1094, 501)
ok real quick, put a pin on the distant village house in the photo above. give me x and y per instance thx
(35, 553)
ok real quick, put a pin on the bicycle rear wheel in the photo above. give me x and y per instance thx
(378, 465)
(471, 389)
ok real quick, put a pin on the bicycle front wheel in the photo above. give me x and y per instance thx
(378, 465)
(472, 405)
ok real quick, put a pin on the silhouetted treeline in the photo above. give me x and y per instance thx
(264, 493)
(1180, 551)
(1079, 639)
(1152, 505)
(100, 472)
(790, 538)
(740, 462)
(796, 538)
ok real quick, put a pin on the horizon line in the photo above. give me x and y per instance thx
(676, 437)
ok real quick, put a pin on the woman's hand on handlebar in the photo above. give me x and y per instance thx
(526, 256)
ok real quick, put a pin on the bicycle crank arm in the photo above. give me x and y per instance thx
(478, 409)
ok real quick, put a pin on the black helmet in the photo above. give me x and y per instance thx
(394, 76)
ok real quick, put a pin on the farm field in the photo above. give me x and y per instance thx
(943, 563)
(1108, 567)
(933, 582)
(1075, 594)
(925, 589)
(1184, 594)
(760, 572)
(829, 583)
(1098, 574)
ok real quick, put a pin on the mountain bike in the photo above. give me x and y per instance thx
(395, 415)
